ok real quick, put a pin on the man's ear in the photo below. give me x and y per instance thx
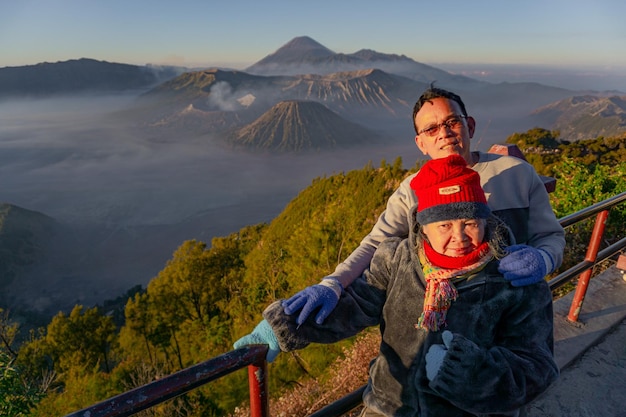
(420, 145)
(471, 126)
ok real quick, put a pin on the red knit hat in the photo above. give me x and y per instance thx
(448, 189)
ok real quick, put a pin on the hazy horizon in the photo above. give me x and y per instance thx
(573, 77)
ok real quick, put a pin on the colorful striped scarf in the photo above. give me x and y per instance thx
(440, 290)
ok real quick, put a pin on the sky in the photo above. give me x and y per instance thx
(236, 34)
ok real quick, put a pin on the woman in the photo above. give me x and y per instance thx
(457, 338)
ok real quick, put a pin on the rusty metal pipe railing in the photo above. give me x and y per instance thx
(592, 252)
(156, 392)
(566, 276)
(259, 395)
(602, 210)
(342, 405)
(580, 215)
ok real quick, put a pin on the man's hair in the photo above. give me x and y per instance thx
(432, 93)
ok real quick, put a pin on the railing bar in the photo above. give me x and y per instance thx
(591, 210)
(564, 277)
(343, 405)
(181, 382)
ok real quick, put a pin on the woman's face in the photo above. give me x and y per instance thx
(455, 237)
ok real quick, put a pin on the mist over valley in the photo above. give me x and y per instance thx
(125, 198)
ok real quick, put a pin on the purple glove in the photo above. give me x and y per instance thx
(436, 353)
(325, 295)
(524, 265)
(261, 335)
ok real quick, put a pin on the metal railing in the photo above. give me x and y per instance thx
(253, 356)
(584, 268)
(149, 395)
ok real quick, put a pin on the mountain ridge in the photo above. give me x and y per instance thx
(585, 117)
(23, 234)
(83, 75)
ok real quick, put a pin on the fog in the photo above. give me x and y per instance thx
(131, 196)
(64, 158)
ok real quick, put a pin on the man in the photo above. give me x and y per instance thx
(456, 338)
(514, 191)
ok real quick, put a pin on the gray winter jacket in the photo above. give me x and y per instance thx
(501, 355)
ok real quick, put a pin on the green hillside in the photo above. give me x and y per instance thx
(544, 149)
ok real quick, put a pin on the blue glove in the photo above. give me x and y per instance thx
(325, 295)
(436, 353)
(261, 335)
(524, 265)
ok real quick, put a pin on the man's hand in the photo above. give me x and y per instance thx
(261, 335)
(524, 265)
(324, 295)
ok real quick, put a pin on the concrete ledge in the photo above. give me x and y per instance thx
(591, 354)
(603, 308)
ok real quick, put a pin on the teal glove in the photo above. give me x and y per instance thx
(436, 353)
(261, 335)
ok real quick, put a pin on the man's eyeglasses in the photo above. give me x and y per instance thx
(453, 122)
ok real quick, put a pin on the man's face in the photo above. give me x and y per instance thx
(452, 138)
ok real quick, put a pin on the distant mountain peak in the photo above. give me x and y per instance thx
(297, 125)
(303, 55)
(299, 49)
(306, 44)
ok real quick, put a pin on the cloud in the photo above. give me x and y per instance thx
(221, 96)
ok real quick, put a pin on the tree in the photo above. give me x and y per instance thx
(83, 339)
(580, 186)
(8, 332)
(18, 394)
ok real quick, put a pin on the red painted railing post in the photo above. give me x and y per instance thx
(257, 379)
(592, 252)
